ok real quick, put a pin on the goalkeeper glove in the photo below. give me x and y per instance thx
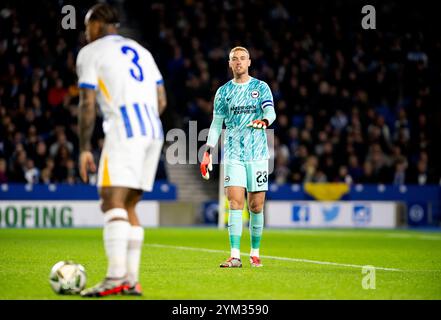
(258, 124)
(206, 164)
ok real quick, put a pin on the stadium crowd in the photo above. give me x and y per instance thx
(353, 105)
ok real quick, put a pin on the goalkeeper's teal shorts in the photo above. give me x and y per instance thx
(252, 175)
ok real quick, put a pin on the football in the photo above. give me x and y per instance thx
(67, 277)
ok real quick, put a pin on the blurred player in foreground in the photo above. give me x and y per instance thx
(246, 106)
(124, 78)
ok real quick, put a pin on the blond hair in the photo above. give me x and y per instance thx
(238, 49)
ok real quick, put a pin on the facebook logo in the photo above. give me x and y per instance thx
(300, 213)
(361, 214)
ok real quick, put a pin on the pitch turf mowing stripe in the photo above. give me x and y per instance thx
(408, 236)
(270, 257)
(339, 233)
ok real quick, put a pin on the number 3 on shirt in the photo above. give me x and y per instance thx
(139, 75)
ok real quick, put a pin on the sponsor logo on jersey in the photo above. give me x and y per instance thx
(254, 94)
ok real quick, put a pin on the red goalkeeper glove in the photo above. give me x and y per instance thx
(206, 164)
(258, 124)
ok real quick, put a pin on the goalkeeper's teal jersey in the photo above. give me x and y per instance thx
(239, 104)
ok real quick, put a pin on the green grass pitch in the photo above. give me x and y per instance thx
(183, 263)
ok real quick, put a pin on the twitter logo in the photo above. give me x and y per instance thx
(330, 213)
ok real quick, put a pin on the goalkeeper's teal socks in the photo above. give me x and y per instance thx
(235, 231)
(256, 229)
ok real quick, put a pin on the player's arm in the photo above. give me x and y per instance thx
(86, 123)
(213, 134)
(162, 98)
(87, 83)
(269, 113)
(160, 88)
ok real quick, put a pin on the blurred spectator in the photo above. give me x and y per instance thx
(46, 176)
(59, 143)
(40, 154)
(400, 172)
(18, 165)
(339, 120)
(56, 94)
(62, 159)
(380, 163)
(354, 169)
(281, 170)
(420, 174)
(368, 176)
(344, 176)
(32, 174)
(3, 171)
(47, 172)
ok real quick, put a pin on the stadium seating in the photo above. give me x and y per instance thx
(353, 106)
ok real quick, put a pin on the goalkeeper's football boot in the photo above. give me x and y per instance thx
(232, 263)
(105, 288)
(132, 290)
(255, 262)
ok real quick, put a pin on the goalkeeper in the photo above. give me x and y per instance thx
(246, 106)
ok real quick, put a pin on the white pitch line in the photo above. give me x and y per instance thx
(269, 257)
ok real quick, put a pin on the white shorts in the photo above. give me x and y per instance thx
(131, 163)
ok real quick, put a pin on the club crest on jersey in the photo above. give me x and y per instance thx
(254, 94)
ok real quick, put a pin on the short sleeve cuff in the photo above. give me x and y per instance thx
(85, 85)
